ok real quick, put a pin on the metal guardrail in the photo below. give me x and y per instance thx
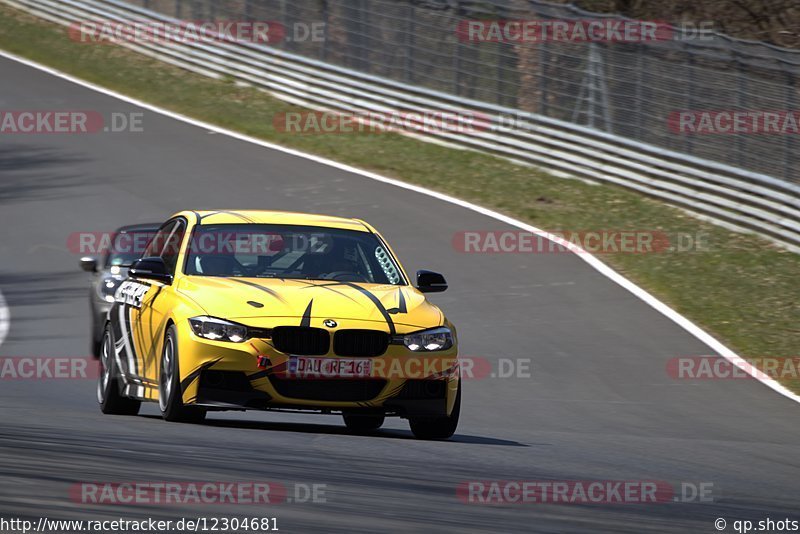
(633, 88)
(735, 196)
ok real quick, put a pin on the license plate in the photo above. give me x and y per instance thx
(307, 367)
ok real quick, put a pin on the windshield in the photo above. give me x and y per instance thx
(288, 251)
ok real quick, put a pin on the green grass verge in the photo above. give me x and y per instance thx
(741, 288)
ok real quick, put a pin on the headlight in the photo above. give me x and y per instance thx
(218, 329)
(429, 340)
(108, 287)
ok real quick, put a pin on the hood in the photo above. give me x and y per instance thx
(311, 301)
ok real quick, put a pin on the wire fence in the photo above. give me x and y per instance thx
(634, 89)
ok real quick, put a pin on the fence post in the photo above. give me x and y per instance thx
(741, 104)
(637, 92)
(457, 56)
(596, 90)
(326, 20)
(789, 140)
(410, 42)
(544, 59)
(688, 139)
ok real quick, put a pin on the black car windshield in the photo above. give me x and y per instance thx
(127, 246)
(290, 251)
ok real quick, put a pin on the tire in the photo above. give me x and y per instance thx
(169, 388)
(96, 334)
(96, 348)
(437, 427)
(108, 387)
(361, 424)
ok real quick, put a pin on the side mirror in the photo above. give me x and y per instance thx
(89, 264)
(150, 269)
(430, 282)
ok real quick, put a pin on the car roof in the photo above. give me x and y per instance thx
(275, 217)
(142, 227)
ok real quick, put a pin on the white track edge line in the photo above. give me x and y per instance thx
(5, 319)
(593, 261)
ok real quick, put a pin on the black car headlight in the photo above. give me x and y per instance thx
(218, 329)
(429, 340)
(107, 287)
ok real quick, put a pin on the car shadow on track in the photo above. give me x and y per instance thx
(313, 428)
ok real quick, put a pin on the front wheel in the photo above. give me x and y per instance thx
(108, 389)
(437, 427)
(169, 387)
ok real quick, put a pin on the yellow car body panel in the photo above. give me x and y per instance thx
(145, 309)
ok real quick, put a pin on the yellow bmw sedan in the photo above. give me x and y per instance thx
(240, 310)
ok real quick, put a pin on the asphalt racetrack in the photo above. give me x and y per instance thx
(598, 404)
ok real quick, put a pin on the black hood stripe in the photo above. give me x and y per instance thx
(306, 321)
(267, 290)
(378, 304)
(375, 300)
(307, 314)
(327, 286)
(401, 302)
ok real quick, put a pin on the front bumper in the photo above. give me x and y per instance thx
(254, 375)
